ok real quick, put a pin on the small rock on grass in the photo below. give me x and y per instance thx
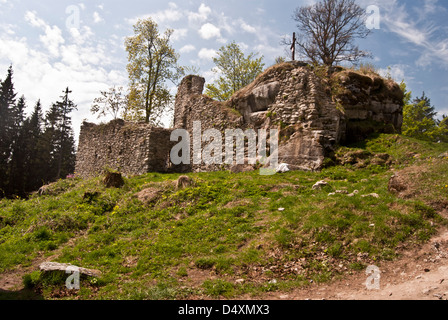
(184, 182)
(319, 185)
(374, 195)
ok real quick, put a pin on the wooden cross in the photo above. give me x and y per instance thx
(293, 46)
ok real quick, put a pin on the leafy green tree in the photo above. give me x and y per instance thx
(427, 111)
(407, 94)
(152, 62)
(419, 118)
(443, 129)
(237, 71)
(47, 143)
(444, 122)
(416, 126)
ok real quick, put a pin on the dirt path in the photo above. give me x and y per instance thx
(420, 274)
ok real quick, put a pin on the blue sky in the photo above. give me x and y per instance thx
(54, 44)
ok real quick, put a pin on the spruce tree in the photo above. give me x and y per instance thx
(58, 143)
(426, 110)
(48, 143)
(17, 164)
(419, 118)
(35, 165)
(66, 156)
(7, 103)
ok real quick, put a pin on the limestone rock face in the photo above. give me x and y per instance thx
(371, 103)
(312, 114)
(297, 103)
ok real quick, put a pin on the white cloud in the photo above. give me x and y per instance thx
(179, 34)
(418, 32)
(248, 28)
(52, 39)
(401, 24)
(243, 46)
(187, 48)
(97, 18)
(397, 72)
(223, 23)
(30, 16)
(43, 71)
(207, 54)
(209, 31)
(212, 76)
(435, 52)
(7, 29)
(429, 7)
(169, 15)
(200, 16)
(80, 36)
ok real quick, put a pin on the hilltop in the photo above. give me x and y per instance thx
(225, 234)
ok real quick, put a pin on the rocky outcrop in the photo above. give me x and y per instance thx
(296, 101)
(313, 112)
(370, 103)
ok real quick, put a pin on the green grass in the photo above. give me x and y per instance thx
(226, 227)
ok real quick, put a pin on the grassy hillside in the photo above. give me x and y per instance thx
(228, 234)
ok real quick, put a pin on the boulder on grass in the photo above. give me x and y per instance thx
(184, 182)
(113, 180)
(64, 267)
(396, 184)
(148, 196)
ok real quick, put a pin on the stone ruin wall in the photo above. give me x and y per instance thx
(132, 148)
(311, 115)
(191, 105)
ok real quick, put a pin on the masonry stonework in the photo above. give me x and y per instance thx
(313, 114)
(131, 148)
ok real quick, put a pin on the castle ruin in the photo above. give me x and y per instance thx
(313, 113)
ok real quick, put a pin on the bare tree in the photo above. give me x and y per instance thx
(328, 29)
(111, 102)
